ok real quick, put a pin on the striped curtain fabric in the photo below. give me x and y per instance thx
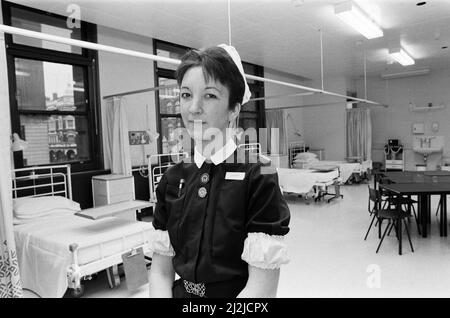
(359, 133)
(116, 139)
(276, 132)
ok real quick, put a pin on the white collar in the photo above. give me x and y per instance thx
(219, 156)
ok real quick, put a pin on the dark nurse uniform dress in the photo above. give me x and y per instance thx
(226, 215)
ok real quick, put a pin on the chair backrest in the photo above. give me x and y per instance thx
(375, 197)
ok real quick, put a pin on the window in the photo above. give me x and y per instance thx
(169, 50)
(168, 99)
(32, 20)
(51, 126)
(70, 122)
(252, 113)
(52, 85)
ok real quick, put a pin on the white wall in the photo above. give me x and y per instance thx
(121, 73)
(325, 126)
(396, 120)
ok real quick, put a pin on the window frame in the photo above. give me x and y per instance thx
(87, 60)
(71, 121)
(164, 73)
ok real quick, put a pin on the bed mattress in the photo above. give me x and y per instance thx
(366, 165)
(346, 169)
(302, 181)
(43, 247)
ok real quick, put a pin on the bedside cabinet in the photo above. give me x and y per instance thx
(113, 188)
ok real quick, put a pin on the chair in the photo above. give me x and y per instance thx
(405, 201)
(394, 216)
(375, 203)
(399, 200)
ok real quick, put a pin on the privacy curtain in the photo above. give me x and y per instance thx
(276, 132)
(359, 133)
(116, 139)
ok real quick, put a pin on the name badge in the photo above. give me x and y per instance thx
(235, 176)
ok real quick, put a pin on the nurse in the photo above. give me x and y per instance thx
(220, 220)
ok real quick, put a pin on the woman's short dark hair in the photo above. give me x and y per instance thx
(218, 66)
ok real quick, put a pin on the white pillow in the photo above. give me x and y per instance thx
(37, 206)
(298, 165)
(305, 155)
(308, 160)
(43, 216)
(44, 213)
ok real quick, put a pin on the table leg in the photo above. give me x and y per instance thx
(423, 212)
(398, 208)
(443, 213)
(441, 216)
(399, 233)
(429, 209)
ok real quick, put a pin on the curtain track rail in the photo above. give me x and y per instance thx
(117, 50)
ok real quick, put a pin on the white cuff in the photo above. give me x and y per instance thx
(160, 243)
(265, 251)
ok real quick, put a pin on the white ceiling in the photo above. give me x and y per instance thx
(283, 34)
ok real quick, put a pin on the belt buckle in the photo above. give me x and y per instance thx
(193, 288)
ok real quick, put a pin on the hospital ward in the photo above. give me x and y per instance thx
(224, 149)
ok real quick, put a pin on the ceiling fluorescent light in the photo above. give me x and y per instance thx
(401, 56)
(406, 74)
(357, 19)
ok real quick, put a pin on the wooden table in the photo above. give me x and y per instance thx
(423, 190)
(415, 176)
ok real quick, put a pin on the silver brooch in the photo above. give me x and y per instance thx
(193, 288)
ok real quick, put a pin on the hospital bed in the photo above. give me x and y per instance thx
(305, 182)
(56, 248)
(310, 182)
(353, 169)
(295, 148)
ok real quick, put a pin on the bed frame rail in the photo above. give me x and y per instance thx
(42, 181)
(294, 149)
(158, 164)
(254, 147)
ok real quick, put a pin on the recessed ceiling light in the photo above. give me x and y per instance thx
(421, 3)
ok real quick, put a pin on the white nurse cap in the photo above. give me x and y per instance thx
(237, 60)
